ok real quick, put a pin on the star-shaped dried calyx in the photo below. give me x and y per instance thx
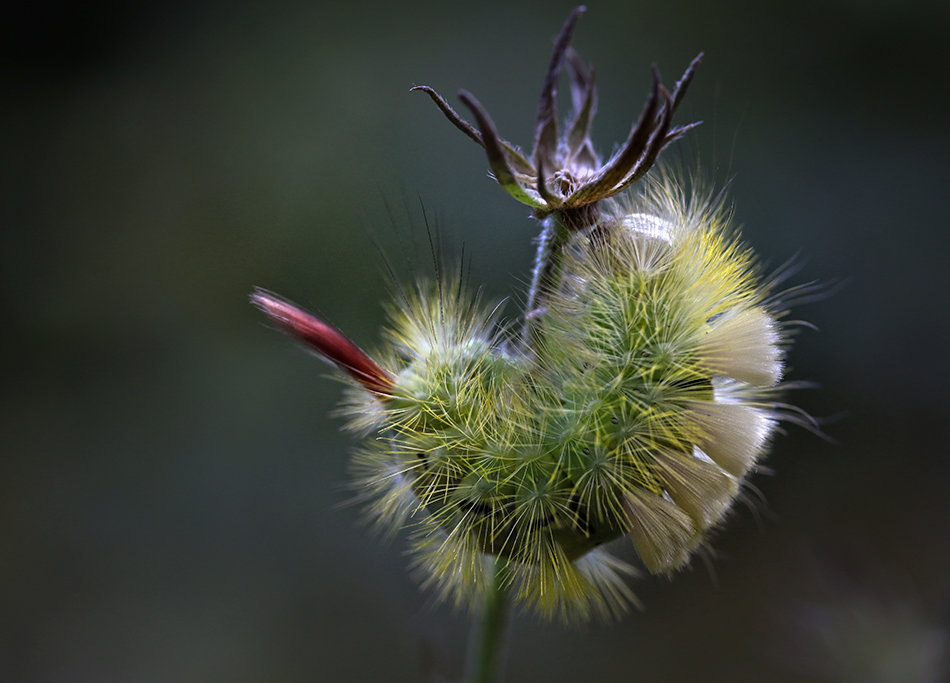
(564, 174)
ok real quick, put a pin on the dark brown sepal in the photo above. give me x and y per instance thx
(564, 174)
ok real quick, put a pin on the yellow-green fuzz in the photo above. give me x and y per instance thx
(640, 410)
(632, 400)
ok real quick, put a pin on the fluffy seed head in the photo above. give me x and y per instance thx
(639, 414)
(636, 400)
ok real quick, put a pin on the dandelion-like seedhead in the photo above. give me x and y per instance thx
(639, 396)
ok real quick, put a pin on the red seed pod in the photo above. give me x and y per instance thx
(328, 342)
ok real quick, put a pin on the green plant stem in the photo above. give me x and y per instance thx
(546, 277)
(488, 635)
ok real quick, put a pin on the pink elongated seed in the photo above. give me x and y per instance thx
(327, 341)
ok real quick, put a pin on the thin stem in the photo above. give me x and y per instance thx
(489, 634)
(546, 277)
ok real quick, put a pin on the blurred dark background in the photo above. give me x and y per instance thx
(170, 482)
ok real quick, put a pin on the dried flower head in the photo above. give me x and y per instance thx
(637, 399)
(564, 173)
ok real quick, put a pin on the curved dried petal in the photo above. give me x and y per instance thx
(585, 106)
(515, 157)
(497, 159)
(582, 78)
(654, 147)
(617, 168)
(545, 132)
(450, 114)
(677, 132)
(679, 90)
(550, 200)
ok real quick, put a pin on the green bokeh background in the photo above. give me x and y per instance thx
(171, 487)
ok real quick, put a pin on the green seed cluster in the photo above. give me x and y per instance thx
(636, 410)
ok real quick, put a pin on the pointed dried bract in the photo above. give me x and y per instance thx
(563, 173)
